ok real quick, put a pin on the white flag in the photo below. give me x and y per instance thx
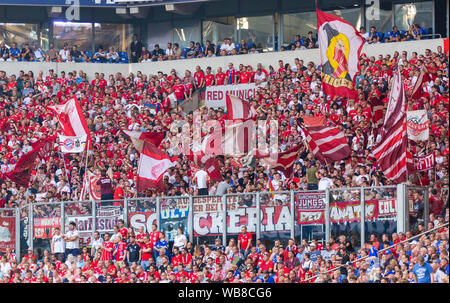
(418, 125)
(72, 144)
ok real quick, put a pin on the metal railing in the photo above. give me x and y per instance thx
(268, 215)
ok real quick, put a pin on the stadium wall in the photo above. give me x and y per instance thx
(180, 66)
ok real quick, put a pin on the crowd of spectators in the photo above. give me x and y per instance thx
(139, 52)
(141, 102)
(129, 256)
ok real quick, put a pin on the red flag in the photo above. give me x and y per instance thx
(44, 146)
(153, 163)
(138, 138)
(377, 107)
(22, 171)
(328, 144)
(71, 118)
(340, 46)
(417, 90)
(284, 160)
(238, 109)
(314, 121)
(391, 151)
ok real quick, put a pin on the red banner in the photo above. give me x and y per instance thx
(7, 233)
(145, 219)
(44, 227)
(423, 163)
(311, 209)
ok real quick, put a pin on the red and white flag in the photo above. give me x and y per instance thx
(22, 170)
(340, 46)
(283, 161)
(138, 138)
(327, 143)
(391, 151)
(153, 163)
(71, 119)
(423, 78)
(238, 109)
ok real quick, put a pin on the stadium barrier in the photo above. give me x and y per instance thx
(266, 59)
(320, 214)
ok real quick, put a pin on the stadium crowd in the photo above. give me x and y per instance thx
(139, 52)
(141, 102)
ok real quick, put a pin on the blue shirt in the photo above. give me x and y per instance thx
(269, 280)
(161, 244)
(423, 273)
(14, 51)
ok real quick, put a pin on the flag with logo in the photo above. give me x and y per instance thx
(418, 125)
(71, 118)
(340, 46)
(44, 146)
(72, 144)
(138, 138)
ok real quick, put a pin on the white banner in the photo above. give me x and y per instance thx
(216, 96)
(72, 144)
(418, 125)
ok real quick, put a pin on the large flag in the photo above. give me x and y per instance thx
(44, 146)
(327, 143)
(314, 121)
(418, 125)
(284, 160)
(21, 172)
(391, 151)
(377, 107)
(72, 144)
(71, 118)
(138, 138)
(340, 46)
(153, 163)
(424, 77)
(238, 109)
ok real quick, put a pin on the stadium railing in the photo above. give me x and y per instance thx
(317, 214)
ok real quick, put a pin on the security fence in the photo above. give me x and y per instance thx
(319, 214)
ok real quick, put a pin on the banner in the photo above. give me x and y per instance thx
(144, 219)
(105, 220)
(216, 96)
(418, 125)
(174, 215)
(7, 233)
(423, 163)
(310, 209)
(212, 204)
(44, 227)
(72, 144)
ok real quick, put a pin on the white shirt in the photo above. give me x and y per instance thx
(58, 244)
(96, 244)
(64, 54)
(324, 183)
(201, 178)
(179, 241)
(4, 268)
(73, 244)
(260, 77)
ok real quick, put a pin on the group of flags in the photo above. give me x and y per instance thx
(340, 46)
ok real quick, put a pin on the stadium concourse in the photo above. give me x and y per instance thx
(140, 102)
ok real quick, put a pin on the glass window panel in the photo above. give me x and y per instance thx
(44, 36)
(298, 24)
(185, 31)
(257, 30)
(413, 13)
(302, 23)
(118, 36)
(384, 24)
(215, 30)
(19, 33)
(73, 33)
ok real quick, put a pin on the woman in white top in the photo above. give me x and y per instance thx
(5, 266)
(96, 243)
(180, 240)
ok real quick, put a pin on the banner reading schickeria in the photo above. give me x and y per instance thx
(340, 46)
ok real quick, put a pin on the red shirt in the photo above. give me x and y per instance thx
(106, 255)
(146, 255)
(179, 91)
(154, 237)
(209, 79)
(124, 232)
(244, 239)
(121, 248)
(220, 78)
(245, 77)
(186, 259)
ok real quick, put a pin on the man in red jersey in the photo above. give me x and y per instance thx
(179, 91)
(244, 241)
(146, 252)
(220, 76)
(209, 77)
(107, 248)
(122, 229)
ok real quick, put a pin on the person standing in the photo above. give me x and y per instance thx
(202, 178)
(132, 253)
(72, 239)
(96, 243)
(106, 190)
(57, 245)
(244, 241)
(136, 49)
(423, 271)
(312, 176)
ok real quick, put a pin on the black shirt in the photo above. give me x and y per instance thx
(133, 250)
